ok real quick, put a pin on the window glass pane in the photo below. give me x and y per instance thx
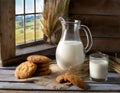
(29, 22)
(39, 33)
(19, 7)
(19, 29)
(29, 6)
(39, 5)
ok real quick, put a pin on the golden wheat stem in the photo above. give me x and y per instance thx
(53, 10)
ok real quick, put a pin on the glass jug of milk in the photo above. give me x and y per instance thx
(70, 50)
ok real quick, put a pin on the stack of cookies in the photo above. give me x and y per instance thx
(36, 65)
(42, 63)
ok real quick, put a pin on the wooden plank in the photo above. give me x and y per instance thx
(36, 48)
(32, 86)
(100, 87)
(7, 22)
(105, 87)
(6, 72)
(98, 7)
(106, 45)
(22, 86)
(24, 91)
(100, 26)
(8, 76)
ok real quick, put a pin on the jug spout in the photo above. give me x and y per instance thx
(62, 20)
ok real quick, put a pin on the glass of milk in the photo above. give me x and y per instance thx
(98, 65)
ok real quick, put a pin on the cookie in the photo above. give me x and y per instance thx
(25, 70)
(43, 65)
(42, 69)
(61, 78)
(42, 73)
(75, 80)
(38, 59)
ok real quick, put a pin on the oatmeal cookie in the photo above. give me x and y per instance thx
(42, 73)
(38, 59)
(75, 80)
(42, 69)
(25, 70)
(43, 65)
(61, 78)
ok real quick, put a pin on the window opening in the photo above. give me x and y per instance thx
(28, 14)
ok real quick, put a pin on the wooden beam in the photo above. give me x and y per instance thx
(7, 29)
(0, 32)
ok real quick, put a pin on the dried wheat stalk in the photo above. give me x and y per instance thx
(114, 66)
(53, 10)
(117, 60)
(115, 63)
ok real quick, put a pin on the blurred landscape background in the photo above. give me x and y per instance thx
(29, 28)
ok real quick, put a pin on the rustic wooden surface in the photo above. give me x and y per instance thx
(14, 91)
(9, 83)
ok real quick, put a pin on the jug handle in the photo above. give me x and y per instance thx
(89, 37)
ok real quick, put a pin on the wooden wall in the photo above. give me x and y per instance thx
(103, 18)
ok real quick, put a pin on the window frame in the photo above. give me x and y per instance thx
(26, 44)
(9, 53)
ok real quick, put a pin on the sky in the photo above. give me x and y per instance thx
(29, 6)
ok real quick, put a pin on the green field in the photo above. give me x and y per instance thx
(29, 33)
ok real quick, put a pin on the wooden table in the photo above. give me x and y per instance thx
(9, 84)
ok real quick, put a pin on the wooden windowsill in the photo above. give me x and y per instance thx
(34, 49)
(22, 53)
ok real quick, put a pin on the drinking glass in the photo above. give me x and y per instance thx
(98, 65)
